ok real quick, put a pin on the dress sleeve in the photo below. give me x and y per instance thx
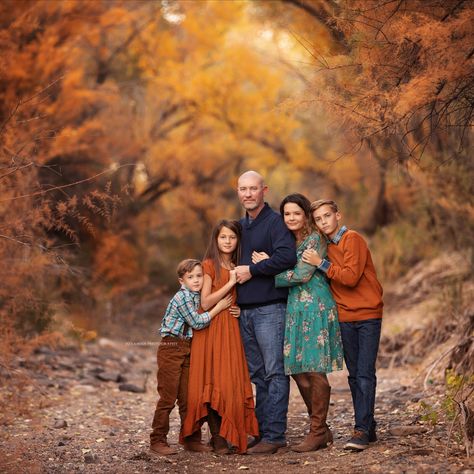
(302, 272)
(208, 268)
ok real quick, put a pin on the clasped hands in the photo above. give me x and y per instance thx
(242, 272)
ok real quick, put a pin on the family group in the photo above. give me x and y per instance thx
(282, 294)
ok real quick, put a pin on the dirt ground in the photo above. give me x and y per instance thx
(89, 425)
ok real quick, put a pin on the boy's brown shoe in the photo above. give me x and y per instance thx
(162, 448)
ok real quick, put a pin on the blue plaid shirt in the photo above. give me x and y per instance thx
(325, 263)
(182, 315)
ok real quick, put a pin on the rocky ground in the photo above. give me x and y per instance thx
(80, 421)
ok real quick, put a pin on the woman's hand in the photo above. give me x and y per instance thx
(235, 311)
(259, 256)
(312, 257)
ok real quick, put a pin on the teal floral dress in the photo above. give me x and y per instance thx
(312, 334)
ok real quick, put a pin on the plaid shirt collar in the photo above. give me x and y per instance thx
(191, 292)
(336, 239)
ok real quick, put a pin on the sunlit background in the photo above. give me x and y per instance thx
(124, 125)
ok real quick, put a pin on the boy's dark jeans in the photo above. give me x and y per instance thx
(360, 340)
(173, 373)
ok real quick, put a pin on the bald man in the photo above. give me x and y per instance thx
(262, 318)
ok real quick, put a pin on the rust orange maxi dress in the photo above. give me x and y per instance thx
(219, 375)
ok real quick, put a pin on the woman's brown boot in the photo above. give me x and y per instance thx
(303, 381)
(320, 435)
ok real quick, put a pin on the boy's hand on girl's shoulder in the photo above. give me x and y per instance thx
(235, 311)
(312, 257)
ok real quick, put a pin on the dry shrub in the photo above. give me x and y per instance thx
(452, 329)
(454, 322)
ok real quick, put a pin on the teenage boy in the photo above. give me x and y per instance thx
(173, 356)
(358, 295)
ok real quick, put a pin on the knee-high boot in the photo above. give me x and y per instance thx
(218, 443)
(304, 386)
(320, 435)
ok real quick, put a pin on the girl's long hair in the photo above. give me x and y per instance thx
(305, 204)
(212, 253)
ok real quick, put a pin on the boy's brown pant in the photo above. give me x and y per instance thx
(173, 372)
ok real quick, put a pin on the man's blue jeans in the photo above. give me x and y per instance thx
(360, 340)
(263, 330)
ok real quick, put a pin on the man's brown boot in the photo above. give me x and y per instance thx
(263, 448)
(162, 448)
(320, 435)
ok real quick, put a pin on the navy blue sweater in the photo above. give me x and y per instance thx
(267, 233)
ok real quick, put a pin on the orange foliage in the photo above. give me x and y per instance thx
(123, 126)
(116, 264)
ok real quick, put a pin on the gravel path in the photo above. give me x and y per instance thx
(79, 423)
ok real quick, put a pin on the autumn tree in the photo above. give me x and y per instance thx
(127, 114)
(398, 75)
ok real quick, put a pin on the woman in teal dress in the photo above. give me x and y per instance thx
(313, 344)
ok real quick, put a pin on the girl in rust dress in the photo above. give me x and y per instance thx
(219, 389)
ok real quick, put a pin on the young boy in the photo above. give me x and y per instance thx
(358, 295)
(174, 355)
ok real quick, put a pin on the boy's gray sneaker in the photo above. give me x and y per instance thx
(372, 436)
(358, 442)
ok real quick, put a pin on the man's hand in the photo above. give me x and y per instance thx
(243, 273)
(259, 256)
(235, 311)
(312, 257)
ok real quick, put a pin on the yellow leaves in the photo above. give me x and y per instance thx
(344, 170)
(207, 22)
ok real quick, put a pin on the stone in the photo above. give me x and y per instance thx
(129, 387)
(110, 377)
(407, 430)
(91, 458)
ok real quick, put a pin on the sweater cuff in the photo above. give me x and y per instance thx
(253, 269)
(324, 265)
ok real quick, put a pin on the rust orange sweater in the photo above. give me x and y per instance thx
(354, 283)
